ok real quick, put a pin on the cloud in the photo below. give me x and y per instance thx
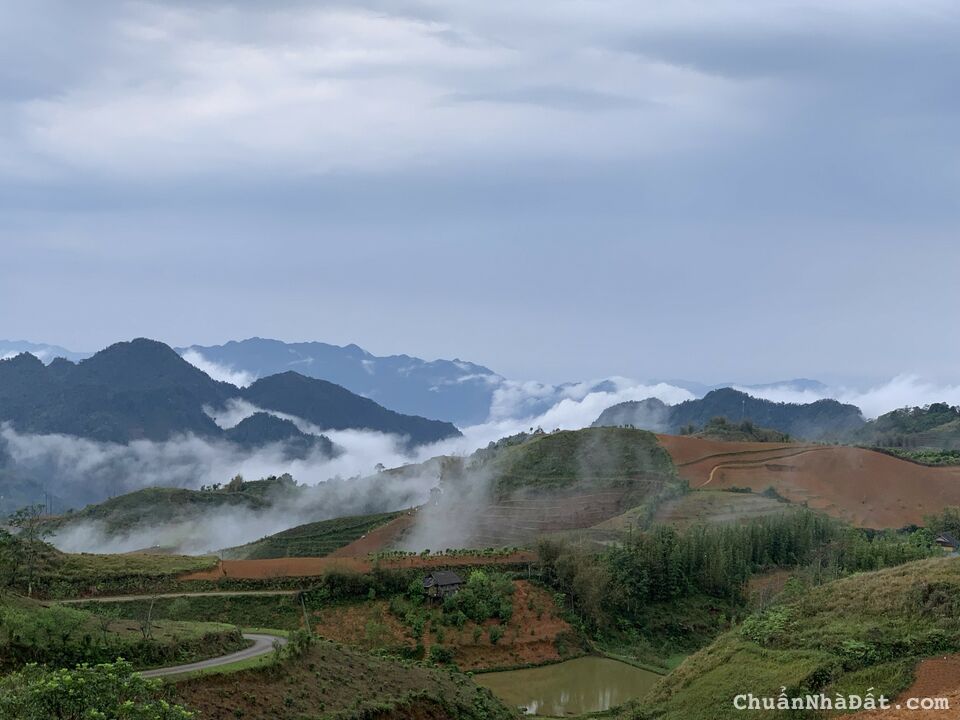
(224, 373)
(216, 88)
(902, 391)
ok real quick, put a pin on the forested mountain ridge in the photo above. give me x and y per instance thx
(820, 420)
(144, 390)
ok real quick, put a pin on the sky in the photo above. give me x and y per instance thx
(733, 190)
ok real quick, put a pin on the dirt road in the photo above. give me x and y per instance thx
(262, 645)
(167, 596)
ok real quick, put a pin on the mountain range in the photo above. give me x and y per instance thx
(143, 389)
(457, 391)
(453, 390)
(820, 420)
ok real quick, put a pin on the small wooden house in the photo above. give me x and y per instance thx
(947, 541)
(441, 584)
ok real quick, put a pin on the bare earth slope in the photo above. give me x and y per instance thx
(863, 487)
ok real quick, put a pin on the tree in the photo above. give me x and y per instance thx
(111, 691)
(145, 619)
(30, 532)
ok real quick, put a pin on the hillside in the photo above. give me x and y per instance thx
(743, 431)
(824, 419)
(330, 680)
(860, 486)
(592, 457)
(152, 506)
(869, 630)
(312, 539)
(524, 486)
(935, 426)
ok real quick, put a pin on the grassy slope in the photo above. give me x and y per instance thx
(311, 540)
(868, 630)
(64, 575)
(157, 505)
(33, 632)
(600, 456)
(275, 611)
(333, 681)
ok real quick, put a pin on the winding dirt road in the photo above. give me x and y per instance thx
(262, 645)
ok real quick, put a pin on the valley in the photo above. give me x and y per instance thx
(608, 569)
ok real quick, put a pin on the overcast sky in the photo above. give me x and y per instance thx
(724, 190)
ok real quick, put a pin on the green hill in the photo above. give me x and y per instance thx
(310, 540)
(569, 459)
(935, 426)
(720, 428)
(154, 506)
(865, 631)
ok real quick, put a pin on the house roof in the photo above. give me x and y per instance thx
(442, 578)
(948, 539)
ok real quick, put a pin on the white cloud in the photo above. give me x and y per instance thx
(317, 89)
(902, 391)
(223, 373)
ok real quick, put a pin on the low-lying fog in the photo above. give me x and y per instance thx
(81, 471)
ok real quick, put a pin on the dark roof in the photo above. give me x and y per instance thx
(442, 578)
(948, 539)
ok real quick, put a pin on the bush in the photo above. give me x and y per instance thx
(107, 691)
(441, 655)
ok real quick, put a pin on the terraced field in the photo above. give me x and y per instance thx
(860, 486)
(313, 539)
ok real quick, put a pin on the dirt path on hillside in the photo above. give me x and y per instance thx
(171, 596)
(311, 567)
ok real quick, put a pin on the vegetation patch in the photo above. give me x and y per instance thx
(324, 679)
(866, 631)
(64, 636)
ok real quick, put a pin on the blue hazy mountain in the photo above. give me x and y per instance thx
(43, 351)
(453, 390)
(144, 390)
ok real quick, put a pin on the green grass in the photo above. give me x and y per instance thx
(278, 611)
(311, 540)
(868, 630)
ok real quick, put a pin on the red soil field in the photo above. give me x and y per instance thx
(936, 678)
(862, 487)
(307, 567)
(378, 539)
